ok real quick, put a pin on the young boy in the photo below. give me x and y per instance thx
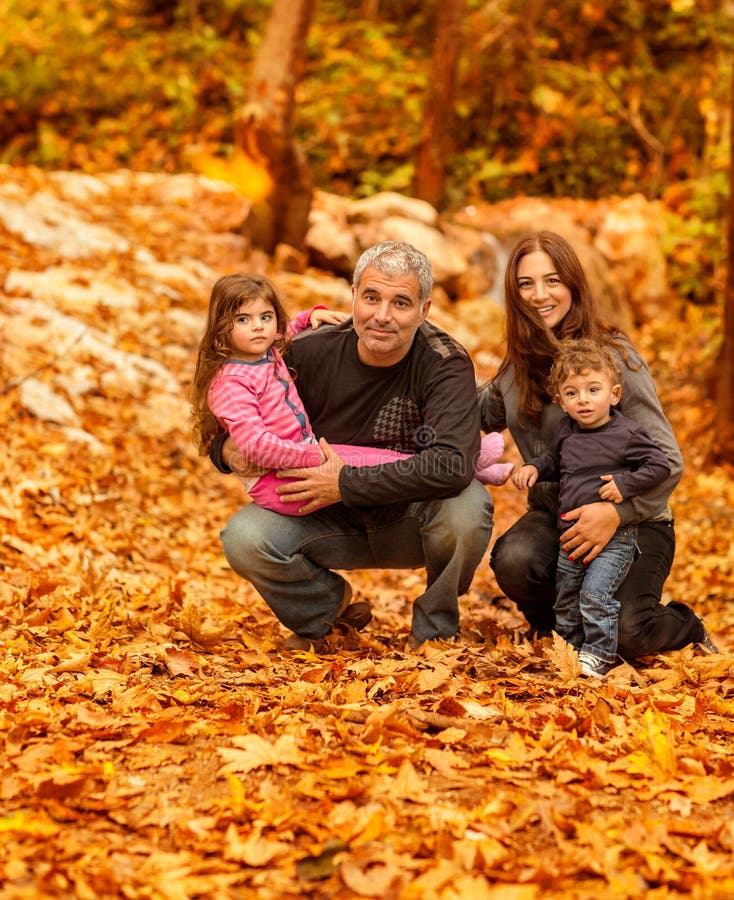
(596, 453)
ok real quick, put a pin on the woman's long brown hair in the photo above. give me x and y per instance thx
(531, 346)
(228, 295)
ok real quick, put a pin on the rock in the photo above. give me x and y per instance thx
(91, 443)
(78, 381)
(72, 288)
(35, 325)
(448, 262)
(486, 259)
(387, 203)
(44, 403)
(78, 188)
(331, 244)
(630, 237)
(178, 277)
(303, 291)
(289, 258)
(42, 220)
(163, 414)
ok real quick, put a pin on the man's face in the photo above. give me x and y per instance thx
(386, 314)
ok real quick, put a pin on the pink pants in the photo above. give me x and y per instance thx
(263, 491)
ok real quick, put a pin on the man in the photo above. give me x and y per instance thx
(385, 378)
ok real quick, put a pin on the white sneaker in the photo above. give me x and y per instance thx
(592, 666)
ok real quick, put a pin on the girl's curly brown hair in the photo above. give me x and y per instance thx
(228, 294)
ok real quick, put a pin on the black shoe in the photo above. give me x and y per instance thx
(357, 615)
(705, 643)
(296, 643)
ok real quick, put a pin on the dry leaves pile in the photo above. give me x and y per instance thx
(158, 744)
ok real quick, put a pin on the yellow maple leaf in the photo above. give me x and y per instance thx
(254, 752)
(29, 823)
(246, 175)
(656, 757)
(564, 657)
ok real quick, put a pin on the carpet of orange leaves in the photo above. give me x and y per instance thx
(157, 743)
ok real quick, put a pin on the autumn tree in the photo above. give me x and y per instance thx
(436, 142)
(263, 128)
(725, 368)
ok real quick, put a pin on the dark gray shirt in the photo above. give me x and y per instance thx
(426, 405)
(580, 456)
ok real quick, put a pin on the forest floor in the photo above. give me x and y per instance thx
(158, 743)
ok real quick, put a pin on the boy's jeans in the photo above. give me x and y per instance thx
(587, 611)
(524, 562)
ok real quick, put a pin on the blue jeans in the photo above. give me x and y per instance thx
(289, 559)
(587, 611)
(524, 561)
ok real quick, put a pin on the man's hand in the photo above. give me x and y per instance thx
(594, 524)
(316, 486)
(234, 458)
(610, 491)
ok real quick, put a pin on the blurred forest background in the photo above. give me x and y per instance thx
(157, 741)
(582, 98)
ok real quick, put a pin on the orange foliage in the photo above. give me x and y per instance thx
(157, 743)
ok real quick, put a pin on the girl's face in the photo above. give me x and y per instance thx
(541, 288)
(254, 328)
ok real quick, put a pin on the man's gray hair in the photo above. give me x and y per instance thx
(396, 258)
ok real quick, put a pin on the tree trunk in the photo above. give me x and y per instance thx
(263, 129)
(725, 368)
(434, 153)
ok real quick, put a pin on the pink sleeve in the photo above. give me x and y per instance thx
(238, 409)
(301, 322)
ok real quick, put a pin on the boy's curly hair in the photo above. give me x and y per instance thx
(574, 357)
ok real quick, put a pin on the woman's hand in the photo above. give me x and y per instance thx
(326, 317)
(594, 524)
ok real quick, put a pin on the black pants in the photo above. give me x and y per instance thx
(524, 564)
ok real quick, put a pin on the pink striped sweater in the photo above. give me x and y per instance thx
(258, 404)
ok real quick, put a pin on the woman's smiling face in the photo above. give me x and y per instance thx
(541, 288)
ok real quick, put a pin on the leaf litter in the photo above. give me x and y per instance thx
(158, 743)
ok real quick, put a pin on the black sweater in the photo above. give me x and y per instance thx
(425, 404)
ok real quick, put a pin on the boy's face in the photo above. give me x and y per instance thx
(587, 397)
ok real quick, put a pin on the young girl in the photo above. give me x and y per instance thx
(242, 385)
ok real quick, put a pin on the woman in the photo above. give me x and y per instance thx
(548, 299)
